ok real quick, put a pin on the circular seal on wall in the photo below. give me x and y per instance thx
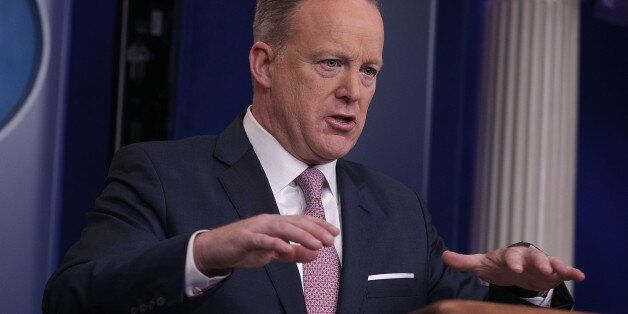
(20, 54)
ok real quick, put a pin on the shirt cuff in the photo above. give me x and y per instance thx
(196, 283)
(542, 301)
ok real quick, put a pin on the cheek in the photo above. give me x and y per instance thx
(364, 108)
(370, 92)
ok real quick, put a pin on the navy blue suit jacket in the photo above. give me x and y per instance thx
(131, 256)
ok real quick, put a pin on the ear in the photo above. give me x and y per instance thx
(260, 59)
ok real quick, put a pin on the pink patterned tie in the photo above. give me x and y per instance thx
(321, 277)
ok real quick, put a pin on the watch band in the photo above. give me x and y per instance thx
(525, 244)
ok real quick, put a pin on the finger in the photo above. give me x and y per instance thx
(316, 227)
(560, 267)
(287, 231)
(539, 261)
(462, 262)
(514, 259)
(323, 223)
(303, 254)
(260, 241)
(306, 230)
(567, 272)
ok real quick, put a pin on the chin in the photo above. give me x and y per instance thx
(328, 148)
(332, 153)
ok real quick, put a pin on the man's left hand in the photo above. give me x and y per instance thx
(525, 267)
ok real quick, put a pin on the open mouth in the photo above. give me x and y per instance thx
(343, 119)
(341, 123)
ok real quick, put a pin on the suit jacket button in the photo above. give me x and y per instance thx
(161, 301)
(143, 308)
(197, 290)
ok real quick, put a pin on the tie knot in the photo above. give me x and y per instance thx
(311, 182)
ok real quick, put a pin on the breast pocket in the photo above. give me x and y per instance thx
(391, 285)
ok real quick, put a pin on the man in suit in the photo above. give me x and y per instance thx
(267, 217)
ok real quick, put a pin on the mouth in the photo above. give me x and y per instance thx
(343, 123)
(344, 119)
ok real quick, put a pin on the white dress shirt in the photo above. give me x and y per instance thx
(281, 169)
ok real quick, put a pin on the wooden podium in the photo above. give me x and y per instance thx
(472, 307)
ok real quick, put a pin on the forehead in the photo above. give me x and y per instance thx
(349, 25)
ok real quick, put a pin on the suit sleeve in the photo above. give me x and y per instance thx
(447, 283)
(125, 261)
(444, 282)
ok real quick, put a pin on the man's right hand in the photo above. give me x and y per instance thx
(259, 240)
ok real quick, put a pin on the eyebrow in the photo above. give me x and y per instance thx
(343, 56)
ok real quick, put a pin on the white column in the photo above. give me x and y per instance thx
(526, 157)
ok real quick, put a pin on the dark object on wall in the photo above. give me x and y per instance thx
(145, 71)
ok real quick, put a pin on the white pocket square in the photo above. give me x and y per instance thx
(390, 276)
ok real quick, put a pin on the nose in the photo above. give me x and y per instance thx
(349, 89)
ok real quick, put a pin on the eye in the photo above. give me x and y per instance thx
(369, 71)
(331, 63)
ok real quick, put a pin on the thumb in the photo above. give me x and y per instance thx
(461, 262)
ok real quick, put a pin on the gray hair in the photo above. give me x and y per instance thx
(273, 20)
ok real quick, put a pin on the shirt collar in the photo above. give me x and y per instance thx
(281, 167)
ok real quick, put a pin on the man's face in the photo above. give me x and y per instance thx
(324, 78)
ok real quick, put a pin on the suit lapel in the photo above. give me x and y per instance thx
(250, 193)
(356, 229)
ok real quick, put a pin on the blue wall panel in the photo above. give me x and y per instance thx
(455, 116)
(396, 139)
(602, 189)
(213, 83)
(91, 77)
